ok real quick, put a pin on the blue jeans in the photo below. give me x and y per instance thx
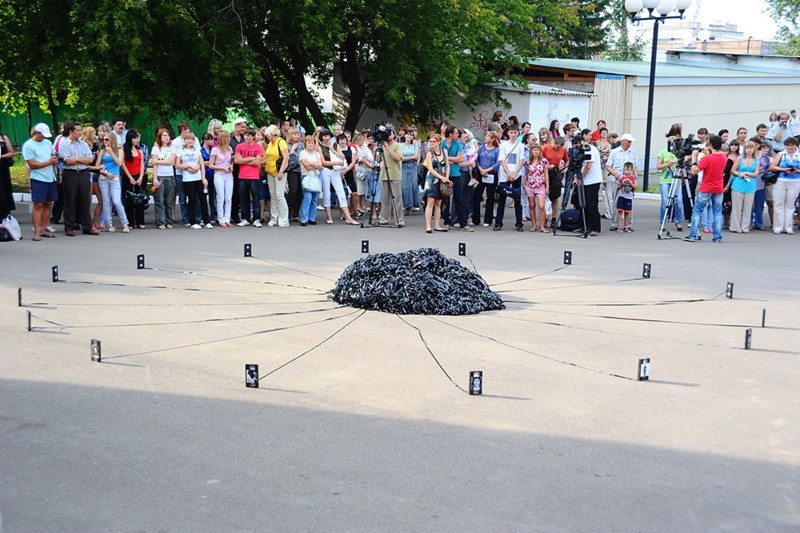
(308, 209)
(677, 209)
(701, 200)
(758, 208)
(410, 187)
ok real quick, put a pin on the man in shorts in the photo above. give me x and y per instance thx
(41, 159)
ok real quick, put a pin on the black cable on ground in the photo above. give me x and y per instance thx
(332, 335)
(193, 304)
(424, 342)
(573, 286)
(165, 287)
(254, 333)
(626, 304)
(529, 277)
(293, 269)
(198, 321)
(553, 359)
(594, 330)
(191, 273)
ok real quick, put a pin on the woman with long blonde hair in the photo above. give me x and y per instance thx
(221, 162)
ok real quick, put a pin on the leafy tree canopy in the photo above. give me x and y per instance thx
(787, 14)
(201, 57)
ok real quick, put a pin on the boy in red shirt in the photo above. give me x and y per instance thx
(710, 189)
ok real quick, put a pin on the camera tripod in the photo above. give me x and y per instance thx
(673, 196)
(574, 179)
(381, 162)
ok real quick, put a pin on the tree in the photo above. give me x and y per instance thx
(37, 56)
(619, 46)
(787, 14)
(200, 57)
(579, 28)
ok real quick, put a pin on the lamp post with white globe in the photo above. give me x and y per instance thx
(658, 11)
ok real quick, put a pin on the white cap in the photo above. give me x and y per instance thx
(627, 137)
(239, 120)
(43, 128)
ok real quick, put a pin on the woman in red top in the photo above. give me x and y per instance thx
(135, 180)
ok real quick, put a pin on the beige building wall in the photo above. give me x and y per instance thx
(609, 104)
(711, 106)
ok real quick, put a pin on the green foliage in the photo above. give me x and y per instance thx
(787, 14)
(200, 57)
(620, 47)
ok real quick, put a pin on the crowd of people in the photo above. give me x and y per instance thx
(720, 182)
(277, 175)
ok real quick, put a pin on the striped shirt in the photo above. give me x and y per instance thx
(68, 148)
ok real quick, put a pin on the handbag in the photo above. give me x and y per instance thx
(311, 183)
(140, 198)
(294, 163)
(446, 188)
(770, 177)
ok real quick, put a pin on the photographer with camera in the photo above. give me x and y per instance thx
(586, 157)
(670, 162)
(710, 189)
(779, 132)
(391, 179)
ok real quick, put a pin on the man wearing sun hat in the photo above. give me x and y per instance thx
(616, 162)
(40, 157)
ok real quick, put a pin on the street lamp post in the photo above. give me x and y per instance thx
(658, 11)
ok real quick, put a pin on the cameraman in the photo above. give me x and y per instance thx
(391, 181)
(710, 189)
(592, 178)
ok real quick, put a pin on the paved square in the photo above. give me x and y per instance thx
(366, 432)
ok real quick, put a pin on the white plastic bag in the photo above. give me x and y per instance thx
(11, 224)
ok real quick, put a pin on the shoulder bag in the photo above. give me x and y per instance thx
(770, 177)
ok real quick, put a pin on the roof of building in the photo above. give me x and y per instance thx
(535, 88)
(642, 68)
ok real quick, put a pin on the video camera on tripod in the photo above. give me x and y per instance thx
(683, 148)
(577, 155)
(380, 134)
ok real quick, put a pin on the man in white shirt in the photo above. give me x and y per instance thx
(794, 124)
(592, 178)
(512, 165)
(616, 162)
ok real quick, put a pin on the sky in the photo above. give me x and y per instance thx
(751, 16)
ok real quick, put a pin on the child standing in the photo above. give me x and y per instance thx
(626, 184)
(537, 186)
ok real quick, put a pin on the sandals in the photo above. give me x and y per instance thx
(37, 238)
(112, 229)
(48, 235)
(352, 222)
(428, 231)
(141, 226)
(126, 229)
(545, 230)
